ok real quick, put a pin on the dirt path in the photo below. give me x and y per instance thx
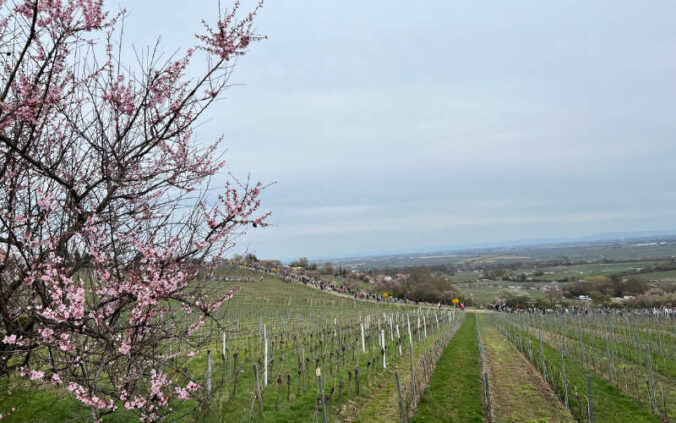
(518, 392)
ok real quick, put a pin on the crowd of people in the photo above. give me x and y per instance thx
(578, 310)
(298, 276)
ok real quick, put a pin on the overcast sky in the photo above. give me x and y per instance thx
(404, 126)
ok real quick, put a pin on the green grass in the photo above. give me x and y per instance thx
(480, 297)
(628, 352)
(455, 393)
(34, 402)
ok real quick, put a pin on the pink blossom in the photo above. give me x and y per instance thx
(37, 375)
(45, 203)
(65, 344)
(192, 386)
(182, 393)
(158, 380)
(46, 334)
(125, 348)
(195, 326)
(9, 339)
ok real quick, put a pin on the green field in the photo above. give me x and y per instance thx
(667, 275)
(480, 297)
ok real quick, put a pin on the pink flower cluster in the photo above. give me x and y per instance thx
(125, 348)
(184, 393)
(9, 339)
(85, 14)
(34, 374)
(45, 203)
(121, 96)
(67, 295)
(195, 326)
(91, 400)
(230, 37)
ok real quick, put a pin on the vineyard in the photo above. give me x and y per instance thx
(604, 367)
(283, 344)
(291, 352)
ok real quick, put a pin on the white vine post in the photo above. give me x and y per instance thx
(363, 346)
(265, 371)
(391, 334)
(425, 325)
(408, 324)
(382, 341)
(398, 339)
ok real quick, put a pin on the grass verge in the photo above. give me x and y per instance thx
(454, 394)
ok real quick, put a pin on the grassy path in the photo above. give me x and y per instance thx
(518, 392)
(454, 394)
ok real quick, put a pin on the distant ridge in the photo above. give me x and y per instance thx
(614, 237)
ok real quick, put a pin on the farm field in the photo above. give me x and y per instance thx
(462, 277)
(667, 275)
(583, 270)
(634, 251)
(483, 296)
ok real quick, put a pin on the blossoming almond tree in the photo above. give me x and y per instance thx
(105, 221)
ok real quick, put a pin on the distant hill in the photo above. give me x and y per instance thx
(614, 246)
